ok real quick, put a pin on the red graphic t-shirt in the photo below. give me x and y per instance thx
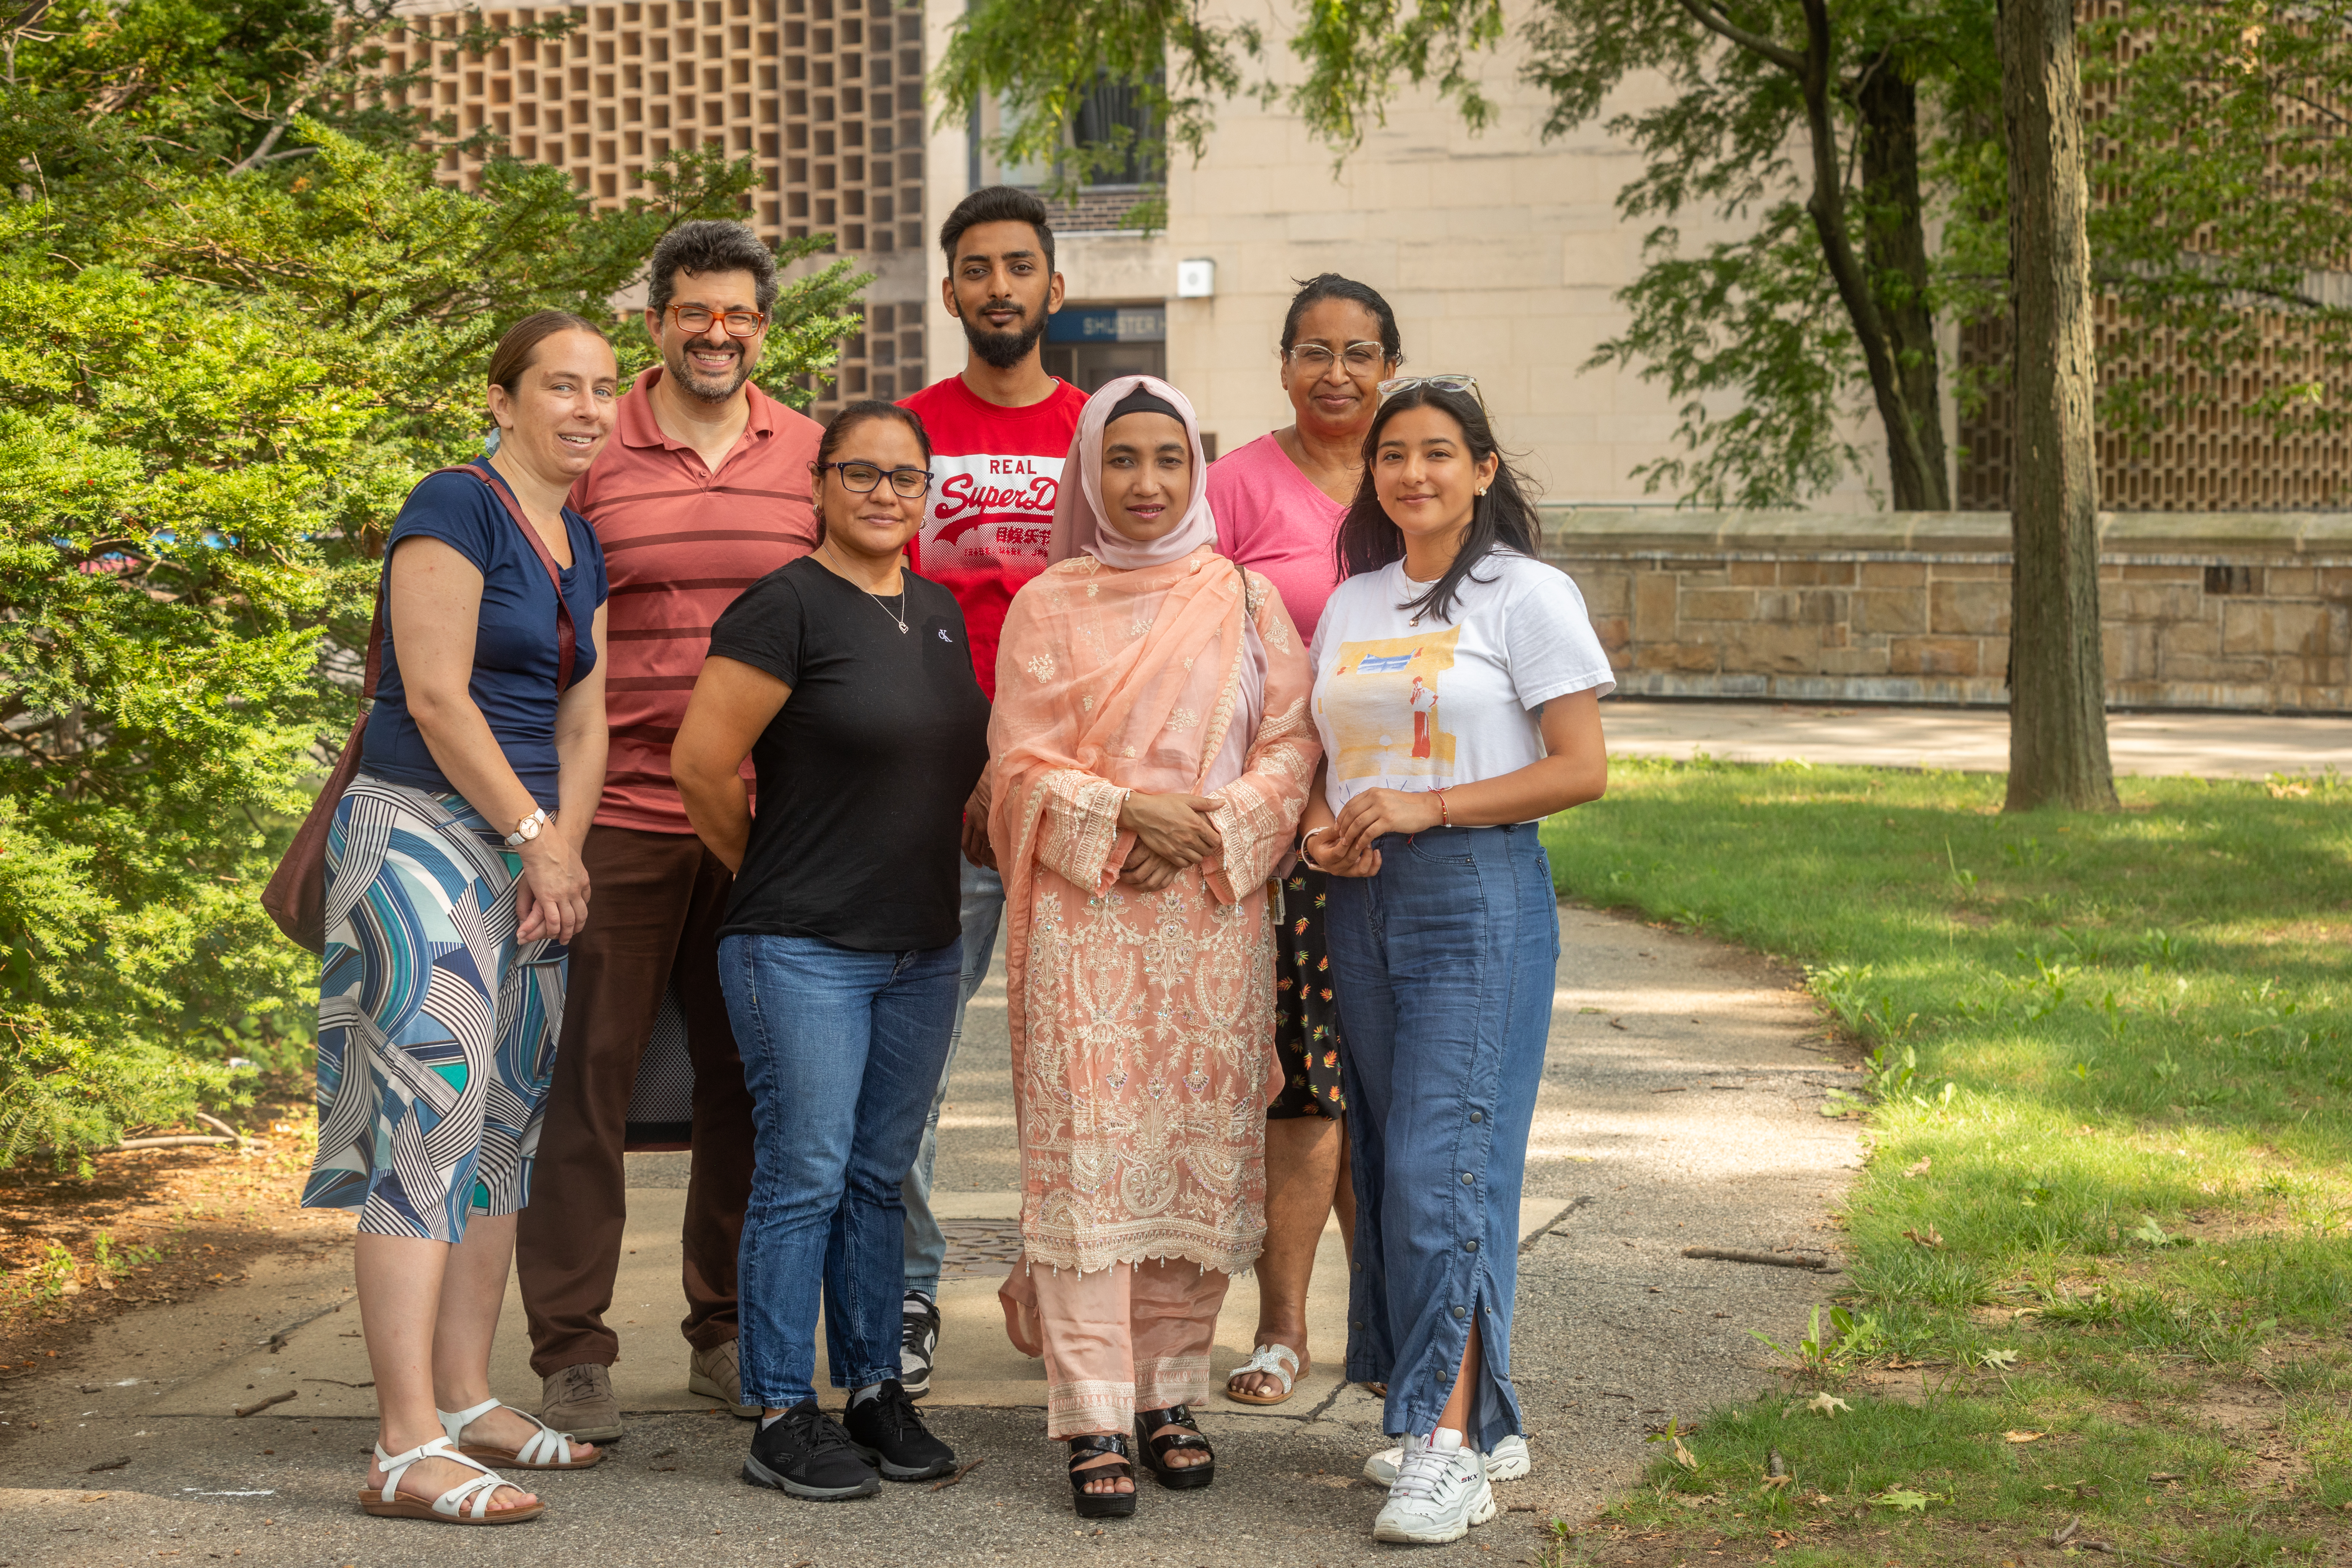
(994, 474)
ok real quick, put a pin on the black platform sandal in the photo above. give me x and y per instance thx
(1156, 1449)
(1100, 1505)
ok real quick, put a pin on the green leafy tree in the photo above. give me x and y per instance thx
(1836, 136)
(2220, 171)
(219, 376)
(2222, 227)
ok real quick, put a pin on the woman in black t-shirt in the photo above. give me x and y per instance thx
(845, 678)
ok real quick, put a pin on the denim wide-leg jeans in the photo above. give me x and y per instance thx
(841, 1049)
(982, 898)
(1444, 964)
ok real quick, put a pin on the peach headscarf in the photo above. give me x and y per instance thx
(1080, 527)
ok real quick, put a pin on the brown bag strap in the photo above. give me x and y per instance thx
(567, 635)
(375, 636)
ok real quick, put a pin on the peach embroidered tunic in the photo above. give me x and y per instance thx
(1142, 1023)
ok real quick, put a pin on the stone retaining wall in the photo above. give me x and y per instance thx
(2201, 610)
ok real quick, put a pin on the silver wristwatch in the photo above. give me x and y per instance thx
(527, 829)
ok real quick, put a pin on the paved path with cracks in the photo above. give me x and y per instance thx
(1679, 1108)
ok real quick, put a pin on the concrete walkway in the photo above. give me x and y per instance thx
(1678, 1108)
(1971, 740)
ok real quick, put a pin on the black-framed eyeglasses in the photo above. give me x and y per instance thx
(696, 320)
(904, 483)
(1362, 359)
(1454, 382)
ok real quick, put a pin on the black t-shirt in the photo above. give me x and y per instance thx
(864, 770)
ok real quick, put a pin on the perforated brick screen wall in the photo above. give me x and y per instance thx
(824, 96)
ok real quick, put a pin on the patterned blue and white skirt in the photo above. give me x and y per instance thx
(436, 1031)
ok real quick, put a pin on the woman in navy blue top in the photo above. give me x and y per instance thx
(453, 883)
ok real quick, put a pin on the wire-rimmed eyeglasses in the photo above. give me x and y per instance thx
(904, 483)
(1360, 359)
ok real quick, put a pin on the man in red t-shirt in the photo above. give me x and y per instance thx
(703, 490)
(999, 433)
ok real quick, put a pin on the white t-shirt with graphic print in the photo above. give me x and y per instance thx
(1419, 704)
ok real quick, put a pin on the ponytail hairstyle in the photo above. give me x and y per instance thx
(512, 360)
(865, 411)
(1502, 519)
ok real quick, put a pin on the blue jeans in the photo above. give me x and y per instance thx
(926, 1244)
(840, 1051)
(1445, 964)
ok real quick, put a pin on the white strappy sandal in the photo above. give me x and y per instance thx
(467, 1502)
(1267, 1359)
(545, 1450)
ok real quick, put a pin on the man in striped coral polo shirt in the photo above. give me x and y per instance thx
(703, 490)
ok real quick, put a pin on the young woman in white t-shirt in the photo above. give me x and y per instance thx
(1457, 687)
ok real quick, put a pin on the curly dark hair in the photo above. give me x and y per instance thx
(710, 245)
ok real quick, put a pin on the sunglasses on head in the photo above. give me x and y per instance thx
(1445, 383)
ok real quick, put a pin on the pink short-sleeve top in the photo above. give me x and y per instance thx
(1272, 519)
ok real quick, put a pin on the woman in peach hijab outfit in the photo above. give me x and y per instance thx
(1150, 757)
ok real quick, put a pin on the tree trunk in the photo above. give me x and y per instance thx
(2057, 682)
(1915, 430)
(1895, 247)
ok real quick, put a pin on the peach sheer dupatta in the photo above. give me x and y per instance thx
(1142, 1024)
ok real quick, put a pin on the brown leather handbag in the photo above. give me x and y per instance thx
(295, 897)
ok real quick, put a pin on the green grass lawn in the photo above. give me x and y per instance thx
(2109, 1186)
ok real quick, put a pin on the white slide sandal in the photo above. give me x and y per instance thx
(1268, 1359)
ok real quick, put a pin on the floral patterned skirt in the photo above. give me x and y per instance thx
(1307, 1020)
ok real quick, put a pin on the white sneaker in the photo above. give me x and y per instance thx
(1440, 1493)
(1507, 1461)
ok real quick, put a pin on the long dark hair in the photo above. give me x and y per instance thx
(1502, 519)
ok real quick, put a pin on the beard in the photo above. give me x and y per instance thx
(1005, 349)
(705, 388)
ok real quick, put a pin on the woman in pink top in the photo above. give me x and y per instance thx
(1279, 501)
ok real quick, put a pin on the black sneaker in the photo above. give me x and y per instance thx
(918, 1342)
(804, 1452)
(887, 1431)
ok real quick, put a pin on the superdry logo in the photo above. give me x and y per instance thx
(988, 507)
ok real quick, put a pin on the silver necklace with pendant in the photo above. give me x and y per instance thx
(898, 616)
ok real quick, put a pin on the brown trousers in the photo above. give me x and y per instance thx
(656, 900)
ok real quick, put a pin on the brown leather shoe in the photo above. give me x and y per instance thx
(717, 1374)
(579, 1400)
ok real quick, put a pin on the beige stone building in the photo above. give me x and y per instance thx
(1501, 252)
(824, 96)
